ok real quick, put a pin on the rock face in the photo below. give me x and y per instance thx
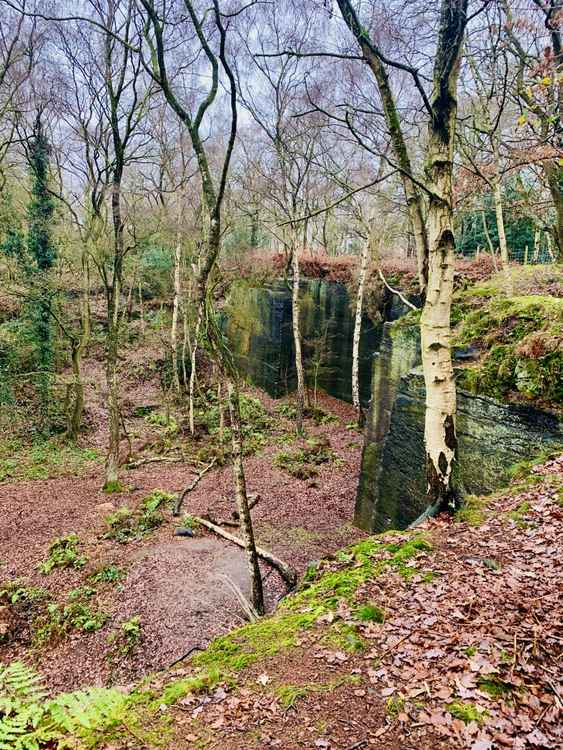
(492, 436)
(258, 323)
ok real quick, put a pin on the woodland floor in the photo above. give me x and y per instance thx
(172, 583)
(468, 654)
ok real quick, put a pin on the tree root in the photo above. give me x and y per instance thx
(285, 571)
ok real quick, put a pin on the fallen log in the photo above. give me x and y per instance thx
(286, 572)
(153, 460)
(192, 486)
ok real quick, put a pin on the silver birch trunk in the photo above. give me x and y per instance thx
(358, 330)
(295, 311)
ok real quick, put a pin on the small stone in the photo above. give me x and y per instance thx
(182, 531)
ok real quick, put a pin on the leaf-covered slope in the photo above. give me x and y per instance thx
(442, 638)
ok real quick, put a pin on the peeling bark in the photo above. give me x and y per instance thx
(295, 310)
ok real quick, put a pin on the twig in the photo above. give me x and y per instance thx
(192, 486)
(185, 656)
(393, 647)
(357, 745)
(249, 611)
(396, 291)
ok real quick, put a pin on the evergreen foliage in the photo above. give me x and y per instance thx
(36, 255)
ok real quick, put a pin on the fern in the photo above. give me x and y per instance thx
(17, 680)
(28, 721)
(88, 713)
(22, 709)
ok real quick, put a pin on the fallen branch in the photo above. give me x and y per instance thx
(153, 460)
(396, 291)
(192, 486)
(286, 572)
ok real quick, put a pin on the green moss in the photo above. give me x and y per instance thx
(114, 487)
(288, 695)
(43, 460)
(177, 690)
(496, 688)
(255, 641)
(518, 514)
(342, 636)
(395, 705)
(370, 613)
(472, 511)
(467, 712)
(520, 339)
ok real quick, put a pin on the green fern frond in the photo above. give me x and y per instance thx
(22, 710)
(93, 709)
(17, 680)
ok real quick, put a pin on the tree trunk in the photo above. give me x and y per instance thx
(193, 371)
(435, 325)
(175, 310)
(113, 295)
(112, 381)
(141, 306)
(295, 310)
(257, 594)
(497, 192)
(185, 344)
(554, 174)
(357, 332)
(221, 413)
(489, 241)
(74, 419)
(85, 312)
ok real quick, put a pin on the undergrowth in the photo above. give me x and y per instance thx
(63, 553)
(86, 718)
(126, 525)
(303, 463)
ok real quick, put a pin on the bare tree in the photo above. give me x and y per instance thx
(204, 35)
(436, 231)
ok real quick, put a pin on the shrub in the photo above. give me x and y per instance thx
(107, 574)
(125, 525)
(63, 553)
(302, 463)
(127, 638)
